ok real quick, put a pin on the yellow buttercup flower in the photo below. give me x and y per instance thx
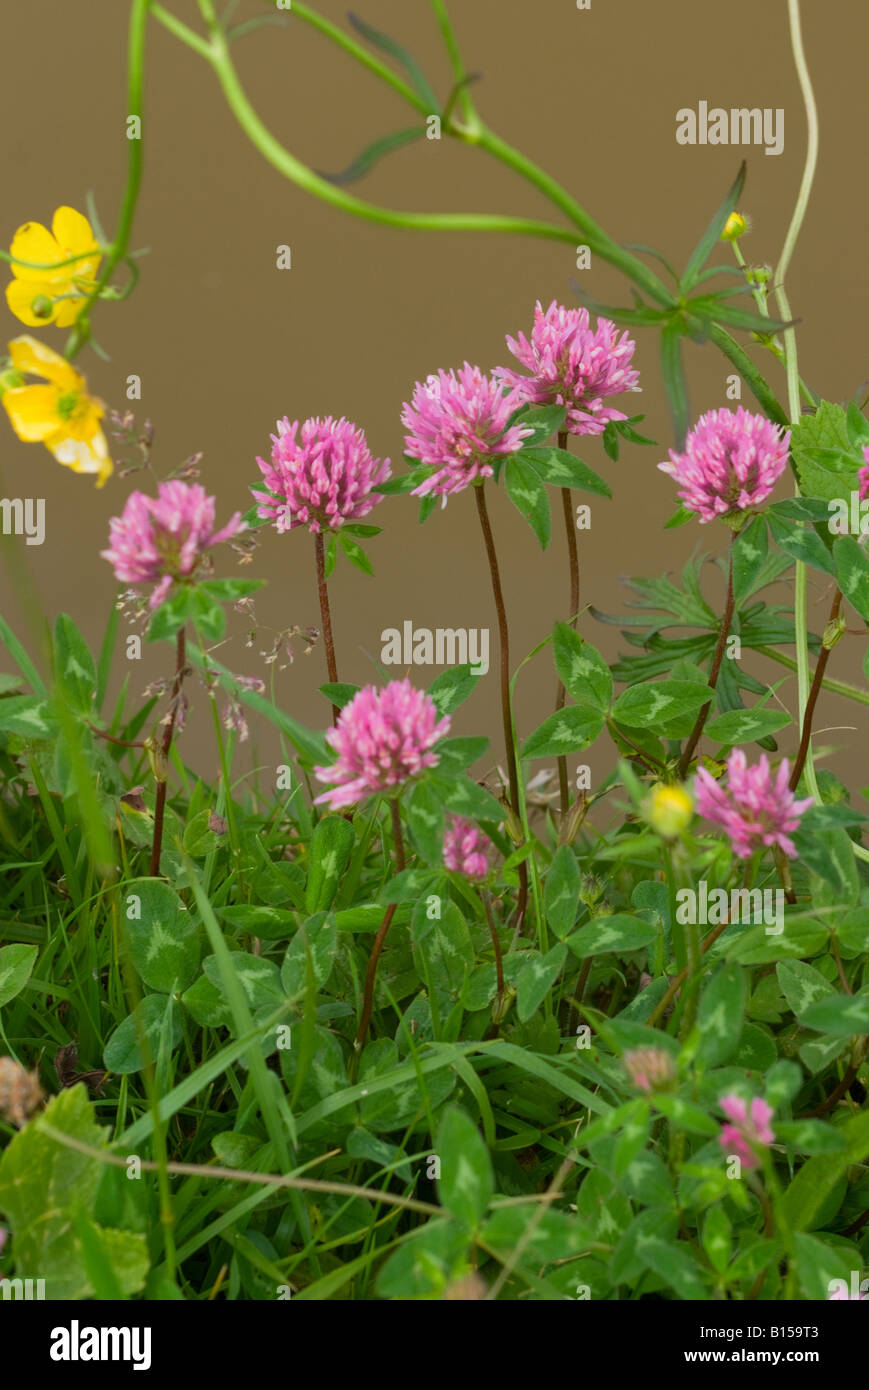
(669, 810)
(736, 226)
(59, 414)
(53, 296)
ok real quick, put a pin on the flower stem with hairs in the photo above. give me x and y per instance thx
(506, 712)
(714, 672)
(165, 748)
(382, 931)
(325, 613)
(573, 611)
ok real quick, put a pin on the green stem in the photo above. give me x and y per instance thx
(448, 34)
(791, 362)
(119, 247)
(850, 692)
(218, 56)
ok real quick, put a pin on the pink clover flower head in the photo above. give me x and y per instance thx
(749, 1128)
(465, 848)
(382, 739)
(457, 423)
(573, 365)
(320, 480)
(863, 475)
(649, 1068)
(157, 540)
(731, 462)
(757, 808)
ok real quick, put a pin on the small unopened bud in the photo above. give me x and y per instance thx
(735, 227)
(501, 1005)
(157, 759)
(832, 632)
(650, 1068)
(572, 822)
(760, 274)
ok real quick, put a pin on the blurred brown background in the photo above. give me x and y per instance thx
(225, 342)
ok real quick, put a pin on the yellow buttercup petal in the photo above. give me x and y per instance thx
(33, 242)
(21, 294)
(32, 411)
(83, 455)
(73, 232)
(68, 310)
(29, 356)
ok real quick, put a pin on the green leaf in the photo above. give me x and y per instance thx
(338, 693)
(712, 235)
(852, 572)
(685, 1115)
(543, 421)
(830, 854)
(566, 731)
(230, 590)
(319, 938)
(164, 942)
(677, 1265)
(26, 715)
(746, 725)
(258, 977)
(810, 1136)
(425, 817)
(536, 979)
(395, 50)
(802, 985)
(172, 614)
(124, 1052)
(257, 919)
(582, 670)
(466, 798)
(466, 1184)
(720, 1014)
(75, 667)
(563, 469)
(456, 754)
(354, 552)
(44, 1186)
(825, 460)
(817, 1178)
(561, 891)
(717, 1234)
(750, 549)
(16, 967)
(528, 495)
(842, 1015)
(445, 946)
(451, 688)
(802, 543)
(331, 846)
(612, 935)
(673, 373)
(655, 704)
(373, 153)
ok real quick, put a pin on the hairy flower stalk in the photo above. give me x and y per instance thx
(165, 748)
(714, 670)
(457, 425)
(162, 541)
(382, 739)
(321, 478)
(730, 464)
(572, 365)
